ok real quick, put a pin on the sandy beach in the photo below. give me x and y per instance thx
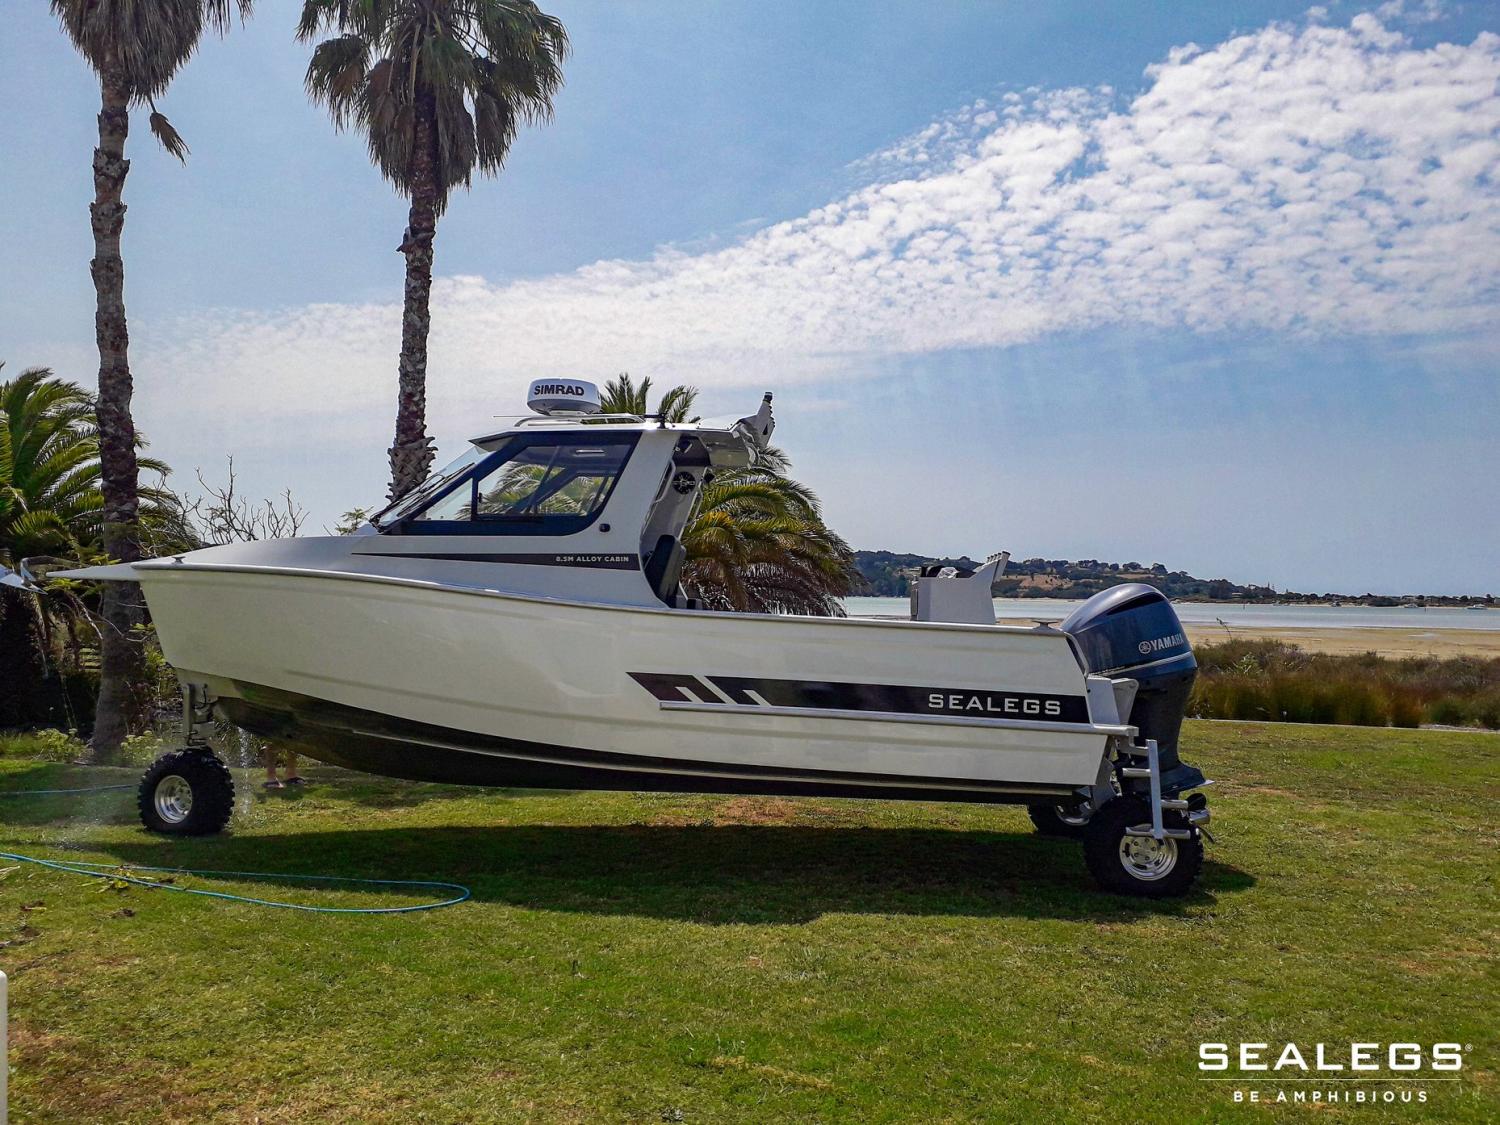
(1387, 642)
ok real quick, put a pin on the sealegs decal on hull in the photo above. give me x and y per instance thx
(828, 695)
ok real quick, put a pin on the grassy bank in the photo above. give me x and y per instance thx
(1277, 681)
(647, 958)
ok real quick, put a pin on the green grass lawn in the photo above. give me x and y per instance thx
(663, 958)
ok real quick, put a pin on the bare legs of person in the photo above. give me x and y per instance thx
(273, 757)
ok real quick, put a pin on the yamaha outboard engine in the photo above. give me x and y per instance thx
(1131, 631)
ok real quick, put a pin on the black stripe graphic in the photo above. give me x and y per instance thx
(832, 695)
(594, 562)
(671, 687)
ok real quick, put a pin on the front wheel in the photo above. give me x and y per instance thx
(1140, 865)
(1060, 820)
(186, 793)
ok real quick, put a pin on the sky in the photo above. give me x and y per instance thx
(1212, 284)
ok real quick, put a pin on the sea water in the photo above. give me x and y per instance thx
(1244, 616)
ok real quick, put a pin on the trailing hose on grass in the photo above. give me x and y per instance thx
(57, 792)
(121, 873)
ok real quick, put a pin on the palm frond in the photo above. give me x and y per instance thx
(468, 71)
(676, 403)
(49, 468)
(144, 42)
(219, 14)
(338, 73)
(621, 395)
(7, 462)
(169, 138)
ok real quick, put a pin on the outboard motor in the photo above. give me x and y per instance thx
(1132, 631)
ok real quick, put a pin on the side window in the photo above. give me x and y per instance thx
(562, 480)
(537, 485)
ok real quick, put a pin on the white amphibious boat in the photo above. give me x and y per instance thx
(519, 620)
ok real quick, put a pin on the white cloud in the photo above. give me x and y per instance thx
(1307, 179)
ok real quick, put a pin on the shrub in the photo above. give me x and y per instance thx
(1448, 711)
(1359, 704)
(1243, 679)
(1485, 709)
(141, 749)
(1406, 708)
(45, 746)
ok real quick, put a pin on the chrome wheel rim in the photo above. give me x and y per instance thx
(173, 799)
(1076, 819)
(1148, 859)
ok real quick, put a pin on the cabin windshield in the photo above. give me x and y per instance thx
(534, 484)
(429, 488)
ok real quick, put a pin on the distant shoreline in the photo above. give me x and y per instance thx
(1440, 633)
(886, 574)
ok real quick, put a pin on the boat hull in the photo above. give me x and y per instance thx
(420, 680)
(394, 747)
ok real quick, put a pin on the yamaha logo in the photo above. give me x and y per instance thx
(1157, 644)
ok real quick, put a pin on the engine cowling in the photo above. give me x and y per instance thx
(1132, 631)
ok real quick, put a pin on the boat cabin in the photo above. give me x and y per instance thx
(580, 503)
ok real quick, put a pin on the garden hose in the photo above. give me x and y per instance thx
(56, 792)
(122, 873)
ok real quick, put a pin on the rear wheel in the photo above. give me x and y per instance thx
(1060, 820)
(186, 793)
(1140, 865)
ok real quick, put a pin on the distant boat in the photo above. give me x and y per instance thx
(1477, 605)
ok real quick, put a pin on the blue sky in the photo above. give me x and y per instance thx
(1212, 284)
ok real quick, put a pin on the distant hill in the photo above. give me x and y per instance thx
(1062, 578)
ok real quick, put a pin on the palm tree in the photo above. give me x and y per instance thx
(50, 473)
(438, 87)
(49, 467)
(50, 503)
(623, 396)
(756, 541)
(135, 47)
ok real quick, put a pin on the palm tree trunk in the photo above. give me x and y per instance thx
(411, 454)
(121, 661)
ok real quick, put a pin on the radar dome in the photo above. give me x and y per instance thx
(563, 396)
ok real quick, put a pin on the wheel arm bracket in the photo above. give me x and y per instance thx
(197, 716)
